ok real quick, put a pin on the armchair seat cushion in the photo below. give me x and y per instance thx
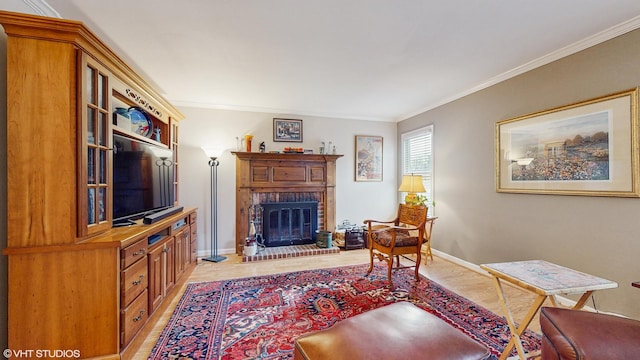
(576, 334)
(403, 238)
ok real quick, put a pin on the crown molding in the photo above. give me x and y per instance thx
(257, 109)
(40, 7)
(583, 44)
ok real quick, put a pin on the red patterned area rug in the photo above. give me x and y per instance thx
(260, 317)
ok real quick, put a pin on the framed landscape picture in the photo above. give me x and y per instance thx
(287, 130)
(588, 148)
(368, 157)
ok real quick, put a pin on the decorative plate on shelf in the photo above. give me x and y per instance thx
(140, 122)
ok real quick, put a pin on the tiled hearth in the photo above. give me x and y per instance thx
(283, 252)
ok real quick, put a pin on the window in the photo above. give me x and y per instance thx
(417, 158)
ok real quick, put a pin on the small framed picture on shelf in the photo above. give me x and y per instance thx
(287, 130)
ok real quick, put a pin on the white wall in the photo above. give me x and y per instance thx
(355, 201)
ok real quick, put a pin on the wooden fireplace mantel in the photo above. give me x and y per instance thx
(283, 173)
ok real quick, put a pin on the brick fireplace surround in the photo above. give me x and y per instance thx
(269, 177)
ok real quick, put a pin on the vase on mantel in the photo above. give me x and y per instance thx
(247, 140)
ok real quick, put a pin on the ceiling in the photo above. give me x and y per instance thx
(383, 60)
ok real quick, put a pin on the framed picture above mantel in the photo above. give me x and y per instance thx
(588, 148)
(287, 130)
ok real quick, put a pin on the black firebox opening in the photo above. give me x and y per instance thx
(289, 223)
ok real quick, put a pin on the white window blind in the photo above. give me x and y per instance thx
(417, 158)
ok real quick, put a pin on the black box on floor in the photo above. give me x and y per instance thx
(354, 239)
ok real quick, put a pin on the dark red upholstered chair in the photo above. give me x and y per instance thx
(578, 335)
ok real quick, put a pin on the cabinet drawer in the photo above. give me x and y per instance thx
(134, 253)
(193, 217)
(133, 317)
(289, 174)
(134, 281)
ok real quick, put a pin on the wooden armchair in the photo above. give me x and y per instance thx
(403, 235)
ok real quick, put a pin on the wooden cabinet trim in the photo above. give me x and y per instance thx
(98, 108)
(59, 248)
(286, 157)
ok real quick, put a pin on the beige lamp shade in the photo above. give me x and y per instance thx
(411, 184)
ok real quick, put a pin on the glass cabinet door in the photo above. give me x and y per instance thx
(94, 196)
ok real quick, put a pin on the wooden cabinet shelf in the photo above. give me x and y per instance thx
(131, 134)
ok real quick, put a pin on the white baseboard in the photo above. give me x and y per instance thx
(207, 253)
(458, 261)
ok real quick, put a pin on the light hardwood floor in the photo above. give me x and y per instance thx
(476, 287)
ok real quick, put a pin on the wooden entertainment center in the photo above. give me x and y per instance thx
(76, 282)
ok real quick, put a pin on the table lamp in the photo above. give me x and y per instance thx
(411, 184)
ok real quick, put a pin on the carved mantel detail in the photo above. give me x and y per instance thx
(269, 174)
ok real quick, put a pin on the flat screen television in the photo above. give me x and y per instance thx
(142, 179)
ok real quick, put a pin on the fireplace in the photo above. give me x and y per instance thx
(263, 178)
(289, 223)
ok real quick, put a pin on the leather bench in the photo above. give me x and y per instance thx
(576, 334)
(397, 331)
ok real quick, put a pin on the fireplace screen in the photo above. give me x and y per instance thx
(290, 223)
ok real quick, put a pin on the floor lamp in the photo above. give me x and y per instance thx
(165, 175)
(213, 165)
